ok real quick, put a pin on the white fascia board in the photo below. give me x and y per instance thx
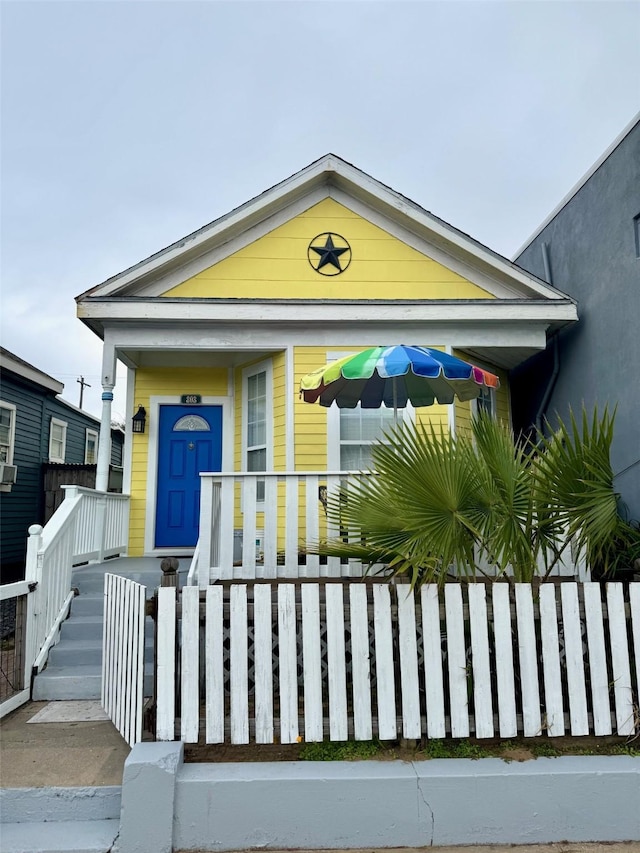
(172, 278)
(328, 176)
(217, 232)
(309, 313)
(454, 242)
(500, 286)
(27, 371)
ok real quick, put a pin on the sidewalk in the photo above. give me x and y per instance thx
(59, 754)
(92, 753)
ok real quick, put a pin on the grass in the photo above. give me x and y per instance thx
(507, 750)
(457, 749)
(356, 750)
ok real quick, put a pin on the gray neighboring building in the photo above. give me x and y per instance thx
(589, 248)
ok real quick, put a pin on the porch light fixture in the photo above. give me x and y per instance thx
(139, 420)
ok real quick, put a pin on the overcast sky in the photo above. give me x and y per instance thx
(127, 125)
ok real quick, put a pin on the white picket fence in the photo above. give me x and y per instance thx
(305, 661)
(123, 655)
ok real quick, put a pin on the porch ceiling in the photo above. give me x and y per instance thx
(133, 357)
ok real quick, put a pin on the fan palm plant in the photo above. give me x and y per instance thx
(440, 504)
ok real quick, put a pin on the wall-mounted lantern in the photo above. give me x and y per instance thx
(139, 420)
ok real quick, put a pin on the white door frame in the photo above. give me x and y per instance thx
(155, 402)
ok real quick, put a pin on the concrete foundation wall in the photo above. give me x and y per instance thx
(383, 804)
(317, 805)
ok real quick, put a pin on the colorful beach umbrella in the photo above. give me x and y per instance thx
(393, 376)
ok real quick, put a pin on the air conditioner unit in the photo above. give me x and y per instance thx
(7, 474)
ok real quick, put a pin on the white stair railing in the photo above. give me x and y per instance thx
(87, 527)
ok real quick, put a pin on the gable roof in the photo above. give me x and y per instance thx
(14, 364)
(329, 176)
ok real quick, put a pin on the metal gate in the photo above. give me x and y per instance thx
(123, 655)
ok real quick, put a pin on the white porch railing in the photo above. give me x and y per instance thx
(87, 527)
(242, 537)
(247, 533)
(312, 661)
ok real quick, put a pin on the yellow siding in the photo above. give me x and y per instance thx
(503, 396)
(463, 411)
(279, 412)
(171, 382)
(276, 266)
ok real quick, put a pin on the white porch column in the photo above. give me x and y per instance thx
(104, 444)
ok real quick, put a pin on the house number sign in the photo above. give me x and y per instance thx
(191, 399)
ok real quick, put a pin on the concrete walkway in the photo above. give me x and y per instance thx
(92, 754)
(67, 754)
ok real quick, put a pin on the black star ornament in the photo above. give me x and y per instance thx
(329, 255)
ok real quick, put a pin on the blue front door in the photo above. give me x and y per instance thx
(189, 441)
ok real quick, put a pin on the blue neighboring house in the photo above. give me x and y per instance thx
(38, 431)
(589, 247)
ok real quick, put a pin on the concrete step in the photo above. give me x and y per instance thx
(90, 581)
(88, 652)
(76, 682)
(82, 628)
(68, 682)
(88, 604)
(77, 836)
(32, 805)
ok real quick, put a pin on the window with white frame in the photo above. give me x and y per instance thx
(57, 440)
(351, 433)
(257, 417)
(7, 431)
(90, 447)
(486, 402)
(359, 430)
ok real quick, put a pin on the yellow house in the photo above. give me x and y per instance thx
(217, 329)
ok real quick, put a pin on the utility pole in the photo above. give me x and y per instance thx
(83, 385)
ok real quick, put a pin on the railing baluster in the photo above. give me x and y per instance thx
(312, 520)
(270, 541)
(225, 532)
(291, 521)
(248, 567)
